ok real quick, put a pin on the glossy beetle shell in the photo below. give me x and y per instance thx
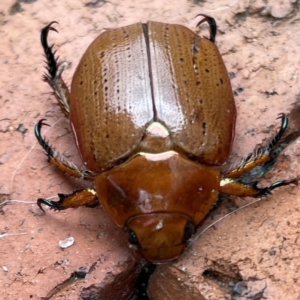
(146, 99)
(152, 112)
(132, 76)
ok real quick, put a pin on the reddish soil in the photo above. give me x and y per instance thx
(251, 254)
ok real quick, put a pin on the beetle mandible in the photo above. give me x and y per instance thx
(153, 115)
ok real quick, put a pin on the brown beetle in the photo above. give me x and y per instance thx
(152, 112)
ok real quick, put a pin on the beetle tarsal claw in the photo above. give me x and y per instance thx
(53, 29)
(48, 28)
(47, 202)
(212, 26)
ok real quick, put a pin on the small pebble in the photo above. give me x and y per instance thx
(4, 268)
(69, 241)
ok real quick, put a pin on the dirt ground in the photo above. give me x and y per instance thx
(253, 253)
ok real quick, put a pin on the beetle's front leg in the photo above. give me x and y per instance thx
(54, 71)
(84, 197)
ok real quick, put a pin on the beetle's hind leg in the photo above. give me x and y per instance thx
(256, 165)
(54, 72)
(57, 159)
(84, 197)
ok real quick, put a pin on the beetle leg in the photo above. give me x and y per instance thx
(257, 164)
(84, 197)
(238, 188)
(212, 26)
(261, 161)
(57, 159)
(54, 71)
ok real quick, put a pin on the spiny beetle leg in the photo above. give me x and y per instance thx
(57, 159)
(83, 197)
(238, 188)
(263, 157)
(49, 54)
(54, 71)
(212, 26)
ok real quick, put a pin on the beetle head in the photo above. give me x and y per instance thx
(160, 237)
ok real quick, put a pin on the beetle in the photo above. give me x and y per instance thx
(153, 116)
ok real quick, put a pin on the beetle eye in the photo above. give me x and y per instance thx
(189, 230)
(132, 238)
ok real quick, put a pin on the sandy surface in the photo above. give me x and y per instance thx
(251, 254)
